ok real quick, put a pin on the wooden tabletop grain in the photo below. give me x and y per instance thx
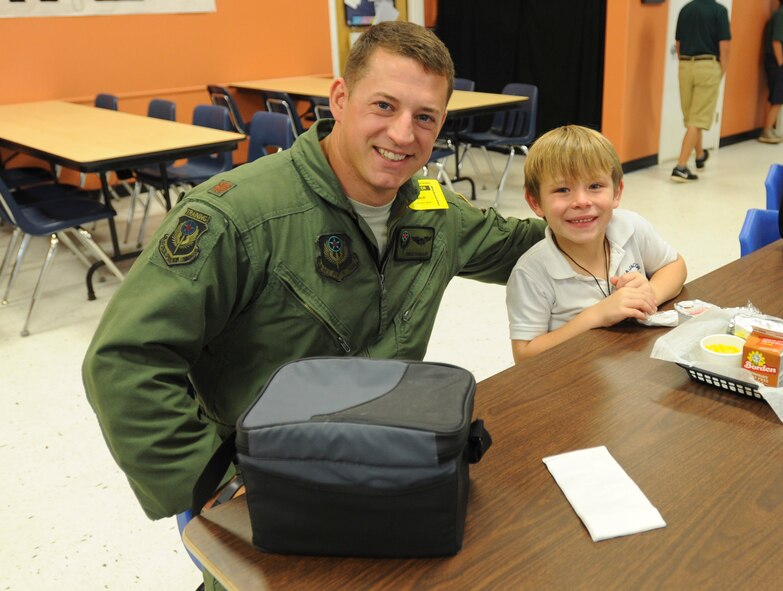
(709, 460)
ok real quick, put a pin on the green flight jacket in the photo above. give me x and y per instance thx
(259, 266)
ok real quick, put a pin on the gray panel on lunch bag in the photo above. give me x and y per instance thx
(345, 442)
(321, 386)
(429, 396)
(352, 475)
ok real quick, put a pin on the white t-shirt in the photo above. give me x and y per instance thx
(544, 292)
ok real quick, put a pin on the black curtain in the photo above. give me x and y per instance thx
(558, 45)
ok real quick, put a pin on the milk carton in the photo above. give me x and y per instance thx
(762, 355)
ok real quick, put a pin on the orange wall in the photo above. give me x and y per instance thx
(634, 71)
(633, 76)
(745, 100)
(140, 56)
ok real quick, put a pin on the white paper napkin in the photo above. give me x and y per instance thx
(607, 501)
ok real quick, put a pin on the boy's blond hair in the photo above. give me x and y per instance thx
(571, 152)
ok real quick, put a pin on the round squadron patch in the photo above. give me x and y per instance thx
(336, 261)
(181, 246)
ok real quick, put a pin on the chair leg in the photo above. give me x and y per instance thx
(16, 267)
(9, 252)
(523, 150)
(132, 209)
(489, 163)
(443, 175)
(153, 193)
(53, 241)
(69, 244)
(84, 236)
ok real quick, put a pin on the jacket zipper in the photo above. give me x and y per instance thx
(341, 340)
(406, 316)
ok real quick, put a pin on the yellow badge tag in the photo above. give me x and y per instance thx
(430, 196)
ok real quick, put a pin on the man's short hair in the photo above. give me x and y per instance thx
(404, 39)
(571, 152)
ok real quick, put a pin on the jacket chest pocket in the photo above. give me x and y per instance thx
(313, 306)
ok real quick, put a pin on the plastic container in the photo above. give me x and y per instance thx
(722, 349)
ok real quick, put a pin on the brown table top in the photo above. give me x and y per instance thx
(708, 459)
(461, 101)
(93, 139)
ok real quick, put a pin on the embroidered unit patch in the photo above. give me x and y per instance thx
(181, 246)
(414, 244)
(336, 260)
(221, 188)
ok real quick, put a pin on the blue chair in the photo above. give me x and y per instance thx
(268, 130)
(51, 210)
(182, 520)
(162, 109)
(106, 101)
(157, 109)
(320, 107)
(281, 102)
(774, 186)
(759, 229)
(511, 132)
(220, 96)
(196, 169)
(26, 176)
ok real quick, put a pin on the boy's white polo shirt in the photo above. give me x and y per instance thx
(544, 292)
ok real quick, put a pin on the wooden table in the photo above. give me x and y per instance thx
(709, 460)
(100, 140)
(461, 103)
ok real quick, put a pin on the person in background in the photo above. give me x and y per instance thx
(702, 39)
(329, 248)
(773, 65)
(598, 265)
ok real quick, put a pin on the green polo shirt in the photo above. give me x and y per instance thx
(701, 26)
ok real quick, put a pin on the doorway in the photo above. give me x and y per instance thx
(672, 128)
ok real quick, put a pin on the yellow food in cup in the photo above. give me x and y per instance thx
(725, 349)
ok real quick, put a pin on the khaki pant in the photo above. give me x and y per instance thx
(699, 85)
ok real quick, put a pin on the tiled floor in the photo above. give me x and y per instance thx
(69, 519)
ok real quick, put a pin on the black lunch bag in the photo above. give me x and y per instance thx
(360, 457)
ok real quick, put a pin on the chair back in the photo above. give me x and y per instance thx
(9, 211)
(162, 109)
(221, 97)
(759, 229)
(106, 101)
(463, 124)
(216, 117)
(281, 102)
(518, 123)
(268, 129)
(774, 186)
(320, 107)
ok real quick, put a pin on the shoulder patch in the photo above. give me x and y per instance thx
(221, 188)
(180, 247)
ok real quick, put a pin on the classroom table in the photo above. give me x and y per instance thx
(94, 140)
(461, 104)
(708, 459)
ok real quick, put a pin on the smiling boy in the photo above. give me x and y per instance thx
(597, 265)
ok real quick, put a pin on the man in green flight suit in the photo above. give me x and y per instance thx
(329, 248)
